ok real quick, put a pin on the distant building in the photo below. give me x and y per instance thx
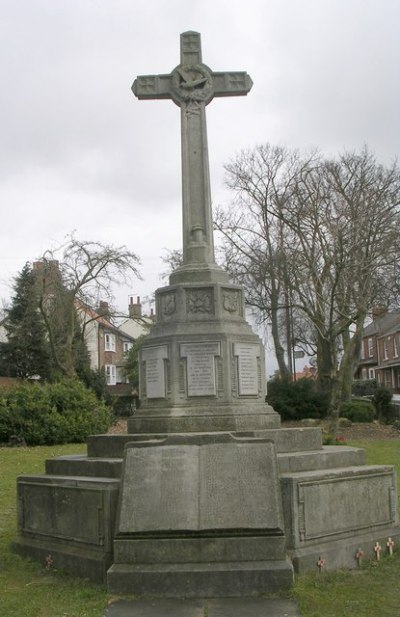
(380, 349)
(309, 372)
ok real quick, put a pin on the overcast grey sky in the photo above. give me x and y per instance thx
(79, 152)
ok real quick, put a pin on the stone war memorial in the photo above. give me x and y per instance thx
(206, 495)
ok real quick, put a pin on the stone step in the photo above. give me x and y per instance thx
(81, 465)
(285, 439)
(200, 580)
(329, 457)
(199, 549)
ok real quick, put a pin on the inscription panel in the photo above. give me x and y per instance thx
(155, 370)
(362, 499)
(199, 487)
(155, 480)
(65, 512)
(247, 354)
(200, 367)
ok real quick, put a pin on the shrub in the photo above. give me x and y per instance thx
(364, 387)
(382, 400)
(357, 410)
(295, 400)
(52, 413)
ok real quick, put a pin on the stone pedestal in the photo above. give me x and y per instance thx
(202, 368)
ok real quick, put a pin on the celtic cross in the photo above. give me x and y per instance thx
(192, 85)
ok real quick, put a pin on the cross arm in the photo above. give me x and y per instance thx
(235, 83)
(152, 87)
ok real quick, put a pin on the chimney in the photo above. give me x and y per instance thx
(48, 275)
(378, 311)
(104, 309)
(135, 309)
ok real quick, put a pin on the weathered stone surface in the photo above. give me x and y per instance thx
(72, 519)
(200, 484)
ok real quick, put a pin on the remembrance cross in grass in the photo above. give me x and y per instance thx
(192, 85)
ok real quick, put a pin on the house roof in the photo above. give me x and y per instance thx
(384, 324)
(101, 320)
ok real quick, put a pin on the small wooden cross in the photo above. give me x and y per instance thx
(48, 562)
(321, 563)
(359, 556)
(377, 550)
(390, 545)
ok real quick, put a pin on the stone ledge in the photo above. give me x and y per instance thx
(193, 580)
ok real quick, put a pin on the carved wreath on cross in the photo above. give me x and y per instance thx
(192, 83)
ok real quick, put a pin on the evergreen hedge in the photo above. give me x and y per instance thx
(357, 410)
(295, 400)
(52, 413)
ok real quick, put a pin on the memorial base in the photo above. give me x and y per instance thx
(200, 516)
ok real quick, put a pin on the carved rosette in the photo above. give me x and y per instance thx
(230, 300)
(192, 83)
(200, 301)
(168, 303)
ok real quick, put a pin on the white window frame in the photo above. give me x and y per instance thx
(111, 374)
(109, 341)
(127, 346)
(385, 349)
(371, 373)
(370, 347)
(395, 347)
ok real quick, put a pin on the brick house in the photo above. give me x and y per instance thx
(380, 350)
(107, 345)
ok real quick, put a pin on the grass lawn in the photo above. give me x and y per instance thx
(27, 589)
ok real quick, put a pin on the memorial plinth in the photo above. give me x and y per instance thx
(202, 368)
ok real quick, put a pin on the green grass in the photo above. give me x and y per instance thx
(27, 589)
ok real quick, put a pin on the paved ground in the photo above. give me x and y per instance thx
(224, 607)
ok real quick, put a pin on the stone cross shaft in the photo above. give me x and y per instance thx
(192, 85)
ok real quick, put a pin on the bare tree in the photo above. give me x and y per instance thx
(318, 235)
(254, 237)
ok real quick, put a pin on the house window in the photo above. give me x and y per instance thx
(370, 347)
(371, 373)
(127, 345)
(395, 347)
(111, 374)
(109, 342)
(385, 349)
